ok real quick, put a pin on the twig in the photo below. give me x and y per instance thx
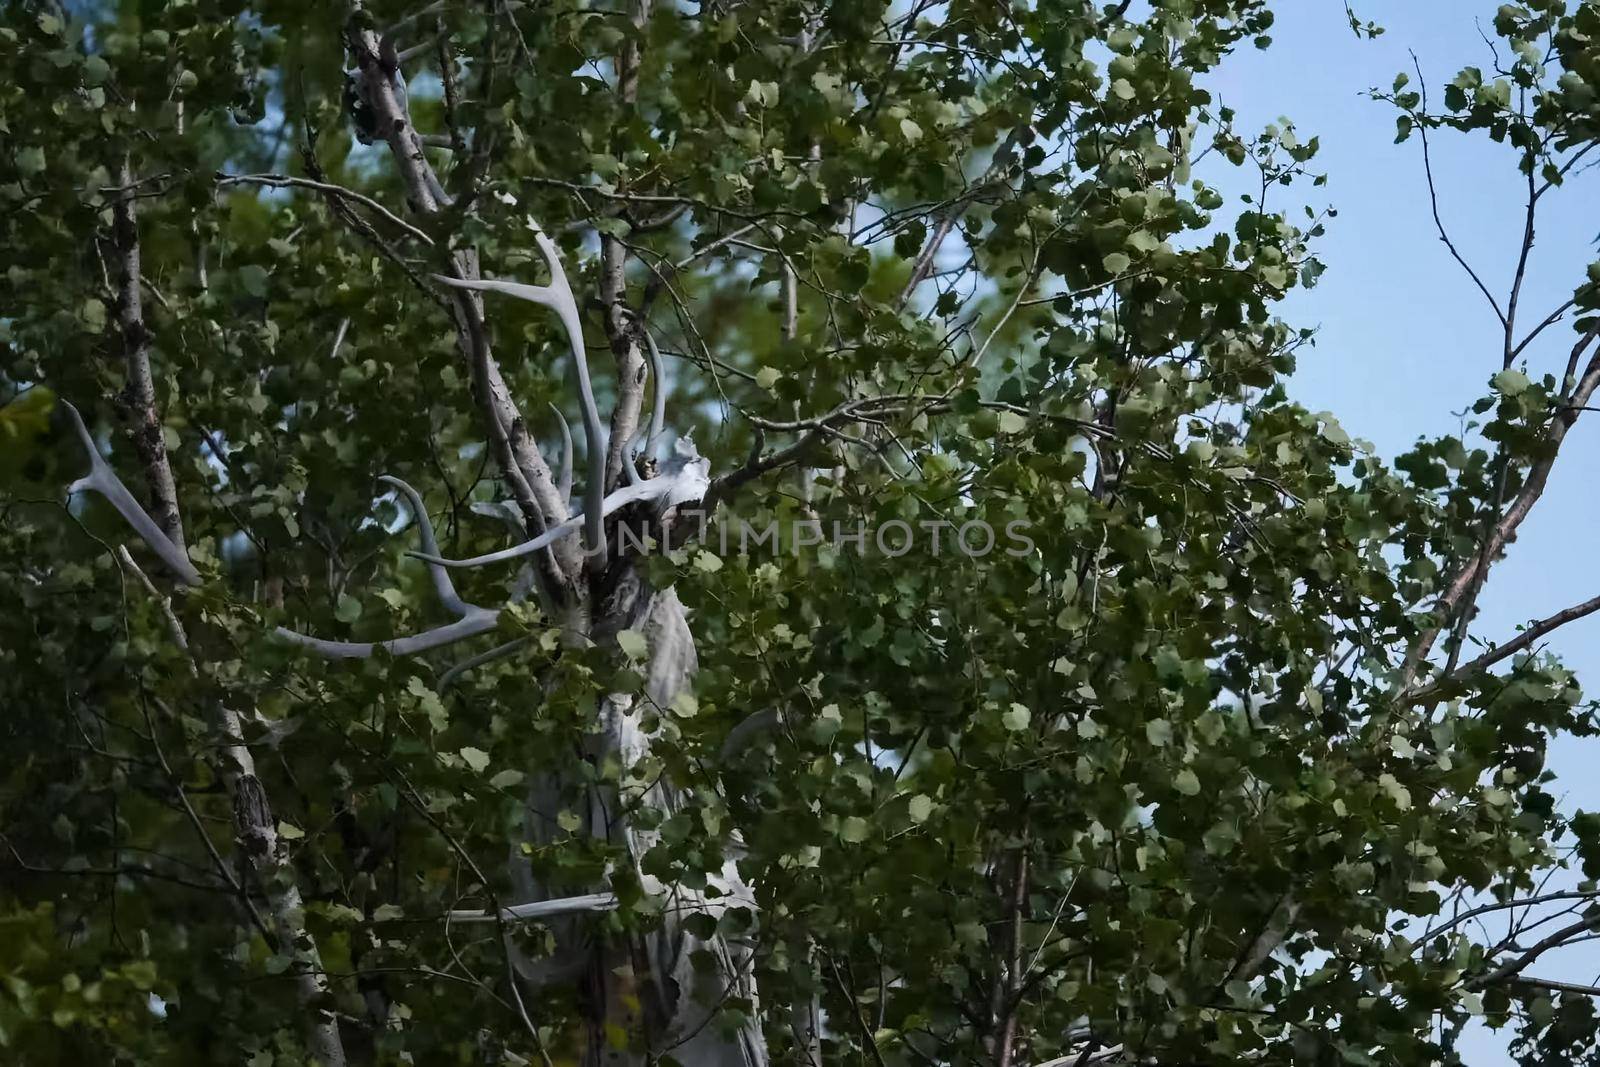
(279, 181)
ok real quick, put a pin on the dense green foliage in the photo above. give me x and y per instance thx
(1004, 807)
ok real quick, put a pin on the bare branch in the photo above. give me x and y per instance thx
(1503, 531)
(1433, 201)
(174, 627)
(1524, 902)
(1514, 967)
(1279, 922)
(1511, 348)
(280, 181)
(1515, 645)
(1557, 987)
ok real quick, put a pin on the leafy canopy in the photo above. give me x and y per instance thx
(1202, 775)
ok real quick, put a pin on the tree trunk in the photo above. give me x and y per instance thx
(268, 857)
(646, 987)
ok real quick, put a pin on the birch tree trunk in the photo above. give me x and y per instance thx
(264, 852)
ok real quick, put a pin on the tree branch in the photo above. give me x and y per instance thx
(282, 181)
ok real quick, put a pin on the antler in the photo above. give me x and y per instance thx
(658, 410)
(686, 477)
(472, 620)
(557, 296)
(564, 482)
(103, 480)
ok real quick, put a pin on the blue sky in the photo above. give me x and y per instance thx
(1406, 342)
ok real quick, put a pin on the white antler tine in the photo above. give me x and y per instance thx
(559, 298)
(536, 294)
(658, 410)
(103, 480)
(443, 586)
(498, 652)
(472, 620)
(566, 306)
(685, 477)
(564, 484)
(476, 621)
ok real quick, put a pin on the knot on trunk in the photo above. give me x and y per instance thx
(252, 817)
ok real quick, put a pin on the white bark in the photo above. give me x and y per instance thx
(268, 858)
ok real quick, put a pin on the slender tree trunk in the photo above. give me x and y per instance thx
(1009, 976)
(644, 997)
(255, 827)
(268, 858)
(138, 400)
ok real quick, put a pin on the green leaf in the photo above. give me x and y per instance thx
(1220, 839)
(476, 758)
(95, 71)
(349, 609)
(1510, 382)
(29, 160)
(1012, 423)
(253, 279)
(762, 94)
(633, 644)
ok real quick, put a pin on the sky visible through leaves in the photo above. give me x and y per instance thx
(1405, 341)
